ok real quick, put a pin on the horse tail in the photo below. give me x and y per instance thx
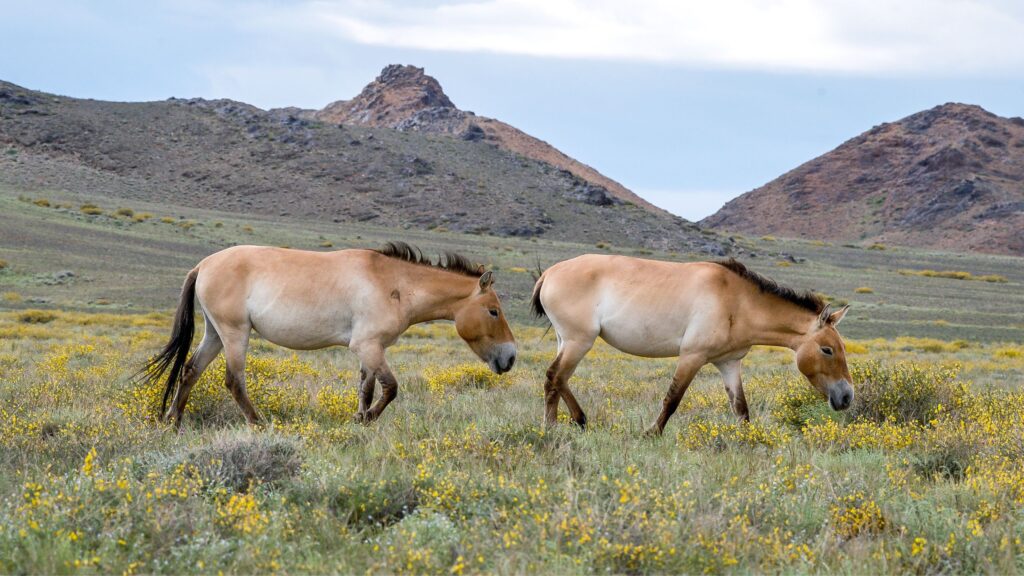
(535, 304)
(175, 352)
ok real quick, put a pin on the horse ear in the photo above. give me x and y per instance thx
(486, 280)
(823, 318)
(836, 317)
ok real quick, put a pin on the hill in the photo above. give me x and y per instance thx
(230, 156)
(951, 177)
(405, 98)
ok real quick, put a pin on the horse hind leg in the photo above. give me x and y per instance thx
(194, 368)
(557, 383)
(235, 346)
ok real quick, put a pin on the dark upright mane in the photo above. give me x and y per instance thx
(807, 300)
(449, 261)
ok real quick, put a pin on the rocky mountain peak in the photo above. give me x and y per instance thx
(398, 93)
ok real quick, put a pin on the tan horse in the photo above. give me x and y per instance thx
(363, 299)
(702, 312)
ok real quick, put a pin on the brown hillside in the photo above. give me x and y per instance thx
(405, 98)
(949, 178)
(226, 155)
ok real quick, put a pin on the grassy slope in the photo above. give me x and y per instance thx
(139, 266)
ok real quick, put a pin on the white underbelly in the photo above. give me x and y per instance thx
(649, 337)
(302, 328)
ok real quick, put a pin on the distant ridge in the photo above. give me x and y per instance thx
(227, 155)
(951, 178)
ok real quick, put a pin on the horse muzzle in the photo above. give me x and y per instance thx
(502, 358)
(840, 395)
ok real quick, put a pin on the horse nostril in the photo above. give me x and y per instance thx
(511, 361)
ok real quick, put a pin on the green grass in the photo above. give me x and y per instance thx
(139, 265)
(922, 475)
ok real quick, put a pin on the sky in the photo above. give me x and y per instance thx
(688, 104)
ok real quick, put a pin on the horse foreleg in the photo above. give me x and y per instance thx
(388, 391)
(732, 376)
(374, 367)
(367, 386)
(686, 369)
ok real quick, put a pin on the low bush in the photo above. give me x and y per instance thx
(36, 317)
(903, 392)
(236, 461)
(439, 380)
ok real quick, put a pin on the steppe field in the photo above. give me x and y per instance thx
(924, 474)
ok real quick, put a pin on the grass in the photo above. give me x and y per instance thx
(955, 275)
(140, 265)
(922, 475)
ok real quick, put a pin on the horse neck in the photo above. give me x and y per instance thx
(433, 294)
(777, 322)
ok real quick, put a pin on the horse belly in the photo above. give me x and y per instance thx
(303, 328)
(651, 337)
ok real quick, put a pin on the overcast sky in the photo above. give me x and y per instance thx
(686, 103)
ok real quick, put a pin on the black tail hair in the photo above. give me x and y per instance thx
(535, 305)
(175, 352)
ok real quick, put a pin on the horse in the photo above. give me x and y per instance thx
(304, 300)
(700, 312)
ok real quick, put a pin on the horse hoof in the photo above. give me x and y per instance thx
(653, 432)
(360, 417)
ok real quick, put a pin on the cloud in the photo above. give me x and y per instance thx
(845, 36)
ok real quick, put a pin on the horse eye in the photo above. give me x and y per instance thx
(826, 350)
(494, 313)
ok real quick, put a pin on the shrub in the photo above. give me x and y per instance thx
(603, 245)
(518, 270)
(461, 376)
(142, 217)
(41, 202)
(856, 514)
(3, 264)
(12, 297)
(186, 225)
(992, 278)
(1008, 353)
(167, 220)
(904, 392)
(127, 212)
(378, 504)
(237, 461)
(876, 246)
(865, 290)
(218, 224)
(783, 263)
(768, 238)
(91, 209)
(954, 275)
(247, 229)
(855, 347)
(36, 317)
(326, 244)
